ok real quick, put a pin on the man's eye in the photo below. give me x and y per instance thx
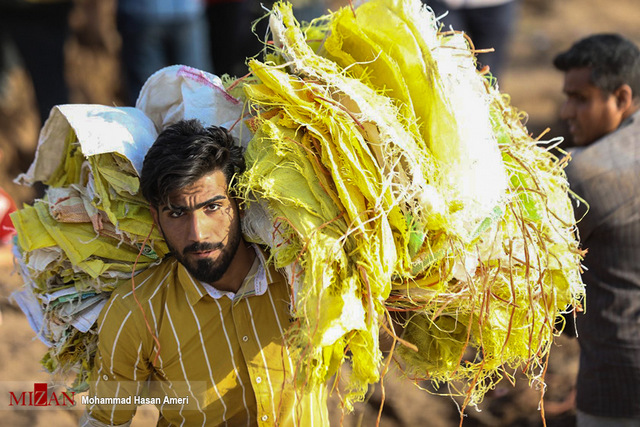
(176, 214)
(212, 207)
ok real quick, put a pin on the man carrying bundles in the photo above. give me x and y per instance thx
(205, 326)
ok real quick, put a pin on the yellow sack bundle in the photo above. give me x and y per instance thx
(87, 232)
(388, 175)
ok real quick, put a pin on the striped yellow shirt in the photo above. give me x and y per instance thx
(222, 358)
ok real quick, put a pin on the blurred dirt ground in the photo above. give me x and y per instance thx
(545, 28)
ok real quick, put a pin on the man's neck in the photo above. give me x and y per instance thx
(635, 107)
(232, 279)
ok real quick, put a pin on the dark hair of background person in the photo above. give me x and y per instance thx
(183, 153)
(613, 60)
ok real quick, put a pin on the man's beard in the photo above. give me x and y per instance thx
(208, 270)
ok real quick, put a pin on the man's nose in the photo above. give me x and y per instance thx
(566, 110)
(197, 227)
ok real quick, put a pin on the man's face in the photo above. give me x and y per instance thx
(589, 112)
(202, 227)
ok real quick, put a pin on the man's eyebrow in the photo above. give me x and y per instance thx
(198, 206)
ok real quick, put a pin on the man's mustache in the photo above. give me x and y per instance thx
(203, 247)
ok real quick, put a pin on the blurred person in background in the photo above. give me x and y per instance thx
(33, 34)
(307, 10)
(158, 33)
(230, 35)
(602, 108)
(237, 31)
(489, 23)
(233, 37)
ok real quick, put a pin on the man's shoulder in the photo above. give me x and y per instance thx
(273, 274)
(131, 302)
(145, 285)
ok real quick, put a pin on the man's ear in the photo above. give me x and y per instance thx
(624, 97)
(154, 215)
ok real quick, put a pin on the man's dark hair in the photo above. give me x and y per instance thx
(183, 153)
(613, 61)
